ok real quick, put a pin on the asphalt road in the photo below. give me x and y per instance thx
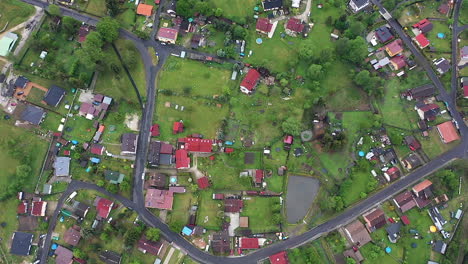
(138, 203)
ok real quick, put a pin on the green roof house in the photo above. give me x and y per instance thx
(114, 177)
(7, 43)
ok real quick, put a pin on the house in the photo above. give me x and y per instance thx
(464, 84)
(397, 62)
(148, 246)
(218, 196)
(64, 255)
(388, 156)
(394, 48)
(442, 65)
(27, 223)
(22, 207)
(412, 143)
(437, 218)
(129, 144)
(114, 177)
(177, 127)
(155, 130)
(103, 207)
(80, 209)
(21, 243)
(182, 159)
(358, 5)
(287, 142)
(393, 231)
(392, 174)
(279, 258)
(384, 34)
(374, 219)
(38, 208)
(423, 26)
(162, 199)
(447, 132)
(411, 161)
(244, 221)
(7, 43)
(157, 180)
(295, 3)
(160, 153)
(220, 242)
(54, 96)
(194, 144)
(258, 178)
(144, 10)
(249, 243)
(423, 193)
(232, 205)
(404, 201)
(443, 8)
(439, 247)
(357, 233)
(61, 166)
(72, 236)
(427, 112)
(421, 92)
(269, 5)
(354, 254)
(463, 56)
(33, 115)
(196, 41)
(83, 32)
(250, 81)
(167, 35)
(97, 149)
(263, 26)
(294, 26)
(405, 220)
(421, 41)
(110, 257)
(203, 182)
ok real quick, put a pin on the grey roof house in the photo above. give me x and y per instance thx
(113, 177)
(110, 257)
(33, 114)
(21, 82)
(21, 243)
(393, 232)
(358, 5)
(129, 144)
(54, 95)
(62, 166)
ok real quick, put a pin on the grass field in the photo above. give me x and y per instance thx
(137, 71)
(179, 216)
(441, 45)
(433, 145)
(97, 7)
(209, 211)
(223, 175)
(415, 12)
(464, 13)
(234, 8)
(14, 12)
(259, 211)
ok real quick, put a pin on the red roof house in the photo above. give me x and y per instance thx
(233, 205)
(375, 219)
(465, 91)
(83, 33)
(395, 47)
(218, 196)
(424, 26)
(177, 127)
(279, 258)
(145, 10)
(182, 159)
(38, 208)
(258, 176)
(288, 139)
(405, 220)
(104, 207)
(405, 201)
(148, 246)
(249, 243)
(159, 199)
(295, 25)
(155, 130)
(250, 81)
(447, 132)
(22, 208)
(203, 183)
(422, 41)
(397, 62)
(228, 150)
(196, 144)
(393, 173)
(97, 149)
(263, 25)
(168, 35)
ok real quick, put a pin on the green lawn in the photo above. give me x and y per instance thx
(209, 211)
(464, 13)
(441, 45)
(259, 211)
(415, 12)
(137, 71)
(223, 175)
(97, 7)
(14, 12)
(127, 18)
(433, 145)
(235, 9)
(179, 215)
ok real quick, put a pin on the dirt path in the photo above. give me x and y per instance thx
(194, 169)
(305, 15)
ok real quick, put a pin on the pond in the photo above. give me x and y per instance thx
(301, 193)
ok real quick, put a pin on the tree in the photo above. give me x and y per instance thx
(112, 188)
(362, 78)
(132, 236)
(113, 7)
(153, 234)
(239, 32)
(292, 126)
(350, 261)
(91, 51)
(315, 71)
(203, 8)
(109, 29)
(308, 51)
(70, 25)
(53, 10)
(329, 21)
(185, 8)
(218, 12)
(78, 253)
(124, 186)
(354, 50)
(355, 29)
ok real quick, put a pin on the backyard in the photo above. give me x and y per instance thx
(209, 212)
(235, 9)
(14, 12)
(260, 211)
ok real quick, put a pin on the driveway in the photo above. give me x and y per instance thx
(305, 15)
(234, 223)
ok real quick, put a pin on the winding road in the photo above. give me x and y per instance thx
(137, 203)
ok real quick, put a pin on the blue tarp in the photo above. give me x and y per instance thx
(74, 142)
(95, 160)
(229, 143)
(187, 231)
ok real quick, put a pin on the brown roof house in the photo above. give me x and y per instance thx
(64, 255)
(148, 246)
(423, 193)
(404, 201)
(375, 219)
(357, 233)
(129, 144)
(412, 161)
(221, 243)
(72, 236)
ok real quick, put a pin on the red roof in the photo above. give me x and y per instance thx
(167, 33)
(157, 1)
(166, 148)
(398, 62)
(295, 25)
(144, 9)
(203, 183)
(66, 152)
(212, 158)
(228, 150)
(279, 258)
(97, 149)
(424, 25)
(264, 25)
(448, 132)
(38, 208)
(251, 79)
(422, 186)
(394, 47)
(104, 207)
(465, 91)
(155, 130)
(288, 139)
(393, 172)
(197, 144)
(159, 199)
(258, 176)
(249, 243)
(182, 159)
(422, 41)
(22, 208)
(405, 220)
(149, 246)
(233, 205)
(218, 196)
(178, 127)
